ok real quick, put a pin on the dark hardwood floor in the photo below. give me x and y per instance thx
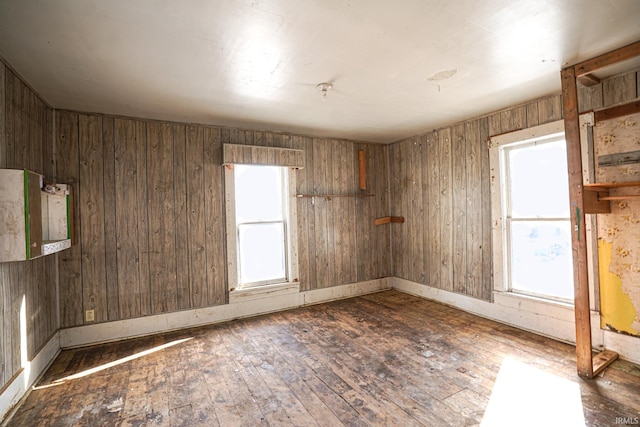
(382, 359)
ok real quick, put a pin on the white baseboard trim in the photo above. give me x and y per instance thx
(319, 296)
(238, 307)
(557, 323)
(626, 346)
(21, 384)
(549, 319)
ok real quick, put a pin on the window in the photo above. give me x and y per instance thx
(259, 218)
(536, 226)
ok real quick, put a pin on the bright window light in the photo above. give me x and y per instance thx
(538, 180)
(260, 200)
(261, 252)
(538, 226)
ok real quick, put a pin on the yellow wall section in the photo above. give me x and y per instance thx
(616, 307)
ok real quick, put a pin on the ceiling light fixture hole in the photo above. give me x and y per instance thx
(324, 87)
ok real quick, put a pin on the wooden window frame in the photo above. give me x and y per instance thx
(291, 252)
(509, 219)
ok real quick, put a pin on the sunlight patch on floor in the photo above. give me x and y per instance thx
(524, 395)
(91, 371)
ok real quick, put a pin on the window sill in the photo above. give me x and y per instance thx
(264, 291)
(534, 299)
(539, 306)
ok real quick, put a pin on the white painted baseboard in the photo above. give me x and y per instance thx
(239, 307)
(16, 389)
(626, 346)
(545, 318)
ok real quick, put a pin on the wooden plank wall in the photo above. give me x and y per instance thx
(25, 143)
(440, 184)
(151, 216)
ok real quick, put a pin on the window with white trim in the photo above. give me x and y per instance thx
(535, 226)
(261, 195)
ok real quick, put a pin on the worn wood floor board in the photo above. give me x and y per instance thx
(382, 359)
(257, 374)
(460, 368)
(364, 373)
(406, 363)
(324, 354)
(345, 366)
(536, 350)
(403, 349)
(234, 391)
(497, 347)
(292, 355)
(288, 382)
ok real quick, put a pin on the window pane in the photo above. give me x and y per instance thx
(258, 193)
(541, 258)
(539, 186)
(262, 255)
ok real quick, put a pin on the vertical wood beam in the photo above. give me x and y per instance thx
(579, 235)
(585, 363)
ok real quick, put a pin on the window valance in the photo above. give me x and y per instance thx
(260, 155)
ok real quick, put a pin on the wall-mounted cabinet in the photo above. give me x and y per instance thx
(35, 219)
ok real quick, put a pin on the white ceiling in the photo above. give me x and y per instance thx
(256, 64)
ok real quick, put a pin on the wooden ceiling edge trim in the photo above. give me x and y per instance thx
(590, 65)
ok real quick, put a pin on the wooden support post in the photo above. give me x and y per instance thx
(579, 234)
(569, 75)
(362, 169)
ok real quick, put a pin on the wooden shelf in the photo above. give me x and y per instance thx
(597, 197)
(608, 185)
(627, 197)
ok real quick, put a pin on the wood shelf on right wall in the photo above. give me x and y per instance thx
(597, 197)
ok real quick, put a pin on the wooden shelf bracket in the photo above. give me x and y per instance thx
(597, 197)
(388, 219)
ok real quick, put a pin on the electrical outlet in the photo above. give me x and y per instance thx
(88, 316)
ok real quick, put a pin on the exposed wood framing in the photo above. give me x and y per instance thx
(617, 111)
(589, 66)
(588, 80)
(585, 362)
